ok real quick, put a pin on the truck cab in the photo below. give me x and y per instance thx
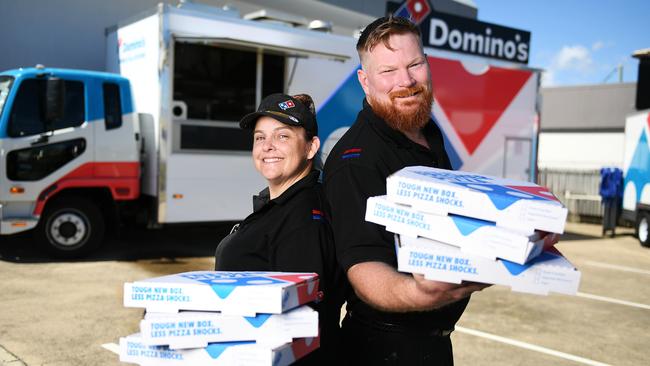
(68, 153)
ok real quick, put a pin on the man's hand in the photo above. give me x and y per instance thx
(381, 286)
(447, 292)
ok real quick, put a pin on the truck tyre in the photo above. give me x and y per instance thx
(643, 229)
(70, 228)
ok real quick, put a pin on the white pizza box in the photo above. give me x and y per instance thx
(519, 205)
(471, 235)
(236, 293)
(548, 272)
(194, 329)
(133, 350)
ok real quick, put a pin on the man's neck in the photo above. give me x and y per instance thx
(417, 136)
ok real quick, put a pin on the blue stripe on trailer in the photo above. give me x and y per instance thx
(342, 107)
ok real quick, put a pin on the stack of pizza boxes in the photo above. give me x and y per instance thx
(223, 318)
(457, 226)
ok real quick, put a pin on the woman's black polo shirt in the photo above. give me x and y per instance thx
(290, 233)
(356, 169)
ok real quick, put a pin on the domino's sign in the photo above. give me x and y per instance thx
(466, 35)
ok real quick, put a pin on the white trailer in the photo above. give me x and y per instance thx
(178, 153)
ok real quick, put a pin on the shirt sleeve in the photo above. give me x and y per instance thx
(357, 240)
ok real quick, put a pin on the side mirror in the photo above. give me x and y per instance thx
(54, 100)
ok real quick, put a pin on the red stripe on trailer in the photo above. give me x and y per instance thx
(121, 178)
(460, 95)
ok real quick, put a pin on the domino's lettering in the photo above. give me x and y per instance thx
(454, 177)
(232, 279)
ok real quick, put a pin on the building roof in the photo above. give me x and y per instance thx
(592, 108)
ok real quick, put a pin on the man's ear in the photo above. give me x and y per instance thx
(363, 80)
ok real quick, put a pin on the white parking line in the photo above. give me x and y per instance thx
(612, 300)
(529, 346)
(617, 267)
(112, 347)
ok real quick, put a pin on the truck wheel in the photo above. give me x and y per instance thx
(70, 228)
(643, 228)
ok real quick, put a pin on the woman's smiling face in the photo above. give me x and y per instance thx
(281, 153)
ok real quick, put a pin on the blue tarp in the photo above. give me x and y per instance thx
(611, 183)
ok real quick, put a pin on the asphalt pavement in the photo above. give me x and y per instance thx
(70, 312)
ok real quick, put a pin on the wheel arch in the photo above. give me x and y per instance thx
(101, 196)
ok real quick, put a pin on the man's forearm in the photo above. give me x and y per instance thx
(382, 287)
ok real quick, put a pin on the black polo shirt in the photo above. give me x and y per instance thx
(290, 233)
(356, 169)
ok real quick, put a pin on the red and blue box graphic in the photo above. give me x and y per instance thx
(235, 293)
(517, 205)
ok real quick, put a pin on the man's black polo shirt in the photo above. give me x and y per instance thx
(356, 169)
(290, 233)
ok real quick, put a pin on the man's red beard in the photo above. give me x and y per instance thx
(410, 115)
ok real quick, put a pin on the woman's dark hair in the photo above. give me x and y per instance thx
(306, 100)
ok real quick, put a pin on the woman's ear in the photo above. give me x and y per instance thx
(314, 145)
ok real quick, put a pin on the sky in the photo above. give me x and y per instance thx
(577, 42)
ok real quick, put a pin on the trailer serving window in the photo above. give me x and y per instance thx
(217, 85)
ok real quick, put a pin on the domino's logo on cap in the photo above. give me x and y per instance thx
(286, 105)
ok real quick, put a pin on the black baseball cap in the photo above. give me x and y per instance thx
(285, 109)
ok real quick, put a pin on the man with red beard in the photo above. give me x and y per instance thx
(392, 318)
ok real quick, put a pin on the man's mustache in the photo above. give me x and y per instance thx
(418, 89)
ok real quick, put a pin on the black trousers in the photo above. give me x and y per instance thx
(365, 343)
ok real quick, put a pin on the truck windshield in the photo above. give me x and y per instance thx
(5, 85)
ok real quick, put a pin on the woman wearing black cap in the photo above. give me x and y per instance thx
(287, 230)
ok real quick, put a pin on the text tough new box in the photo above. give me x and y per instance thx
(518, 205)
(471, 235)
(133, 350)
(236, 293)
(193, 329)
(548, 272)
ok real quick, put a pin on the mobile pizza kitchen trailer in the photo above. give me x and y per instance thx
(636, 158)
(81, 150)
(156, 139)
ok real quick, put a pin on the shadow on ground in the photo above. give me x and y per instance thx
(569, 236)
(167, 243)
(170, 242)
